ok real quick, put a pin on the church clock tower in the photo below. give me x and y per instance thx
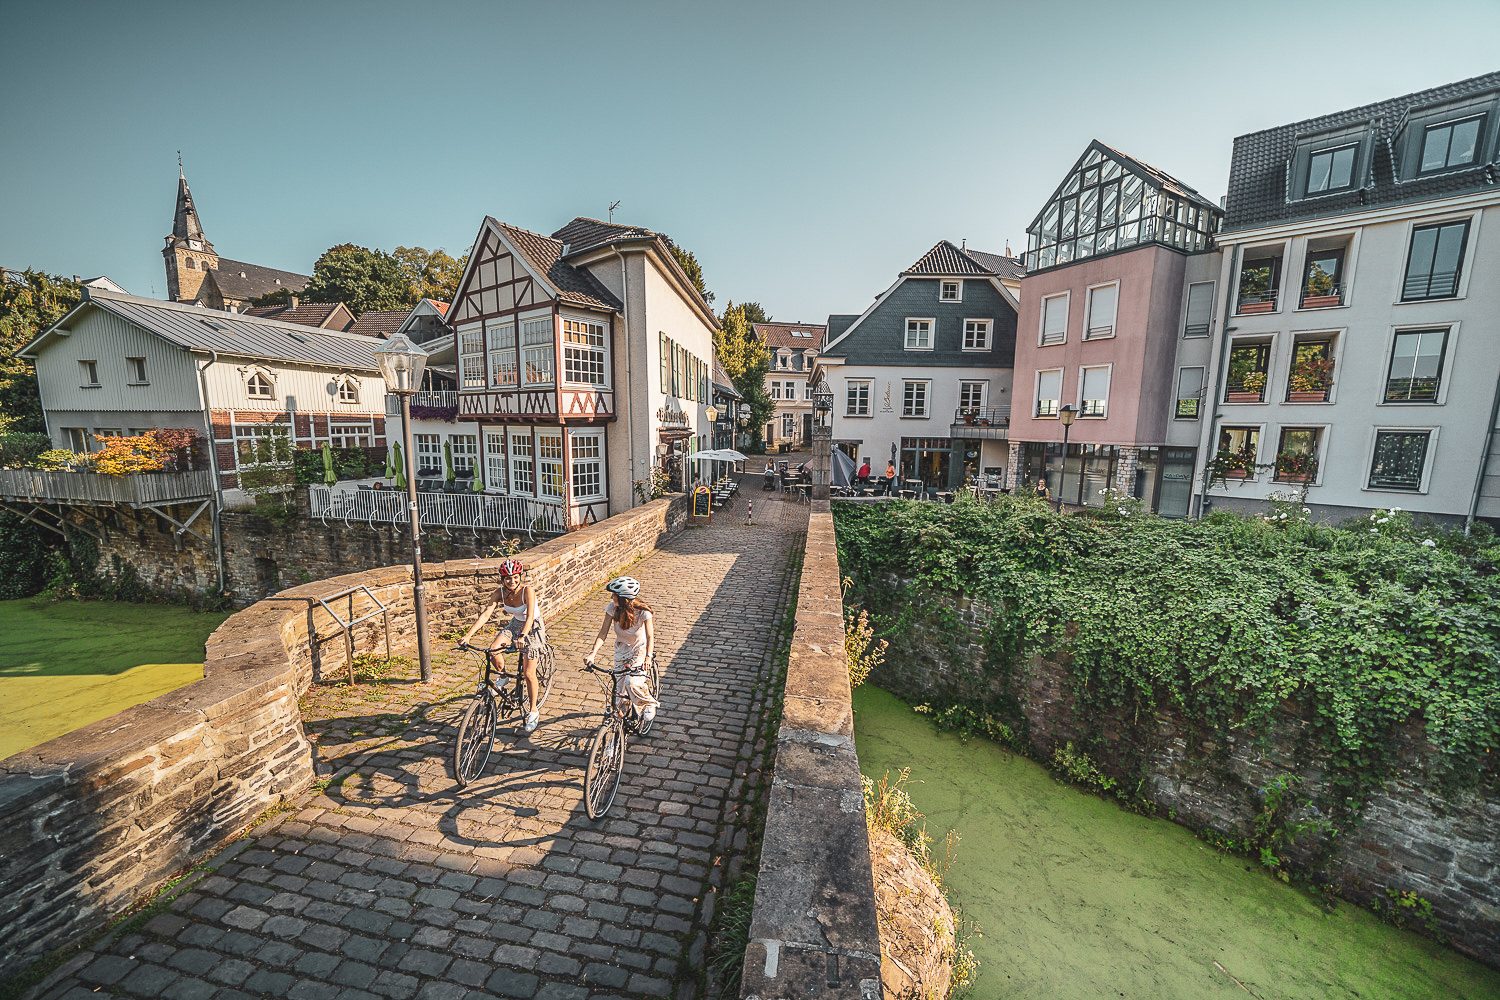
(189, 255)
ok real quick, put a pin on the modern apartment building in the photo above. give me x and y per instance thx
(793, 348)
(1116, 315)
(922, 377)
(1360, 283)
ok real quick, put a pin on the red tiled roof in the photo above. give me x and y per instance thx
(781, 335)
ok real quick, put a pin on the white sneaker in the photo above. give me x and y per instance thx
(647, 715)
(532, 719)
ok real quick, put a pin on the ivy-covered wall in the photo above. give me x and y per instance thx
(1324, 699)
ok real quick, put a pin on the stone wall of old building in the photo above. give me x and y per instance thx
(262, 555)
(1412, 834)
(96, 819)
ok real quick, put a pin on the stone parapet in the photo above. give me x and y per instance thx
(813, 931)
(99, 817)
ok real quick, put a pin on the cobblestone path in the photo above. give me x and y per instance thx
(392, 882)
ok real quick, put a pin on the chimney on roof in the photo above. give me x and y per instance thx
(1007, 249)
(963, 244)
(293, 301)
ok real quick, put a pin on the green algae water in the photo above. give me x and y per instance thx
(64, 665)
(1073, 897)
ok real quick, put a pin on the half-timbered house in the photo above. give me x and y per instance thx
(585, 359)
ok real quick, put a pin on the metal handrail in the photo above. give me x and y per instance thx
(996, 416)
(347, 627)
(476, 511)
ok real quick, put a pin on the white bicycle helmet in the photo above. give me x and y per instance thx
(624, 586)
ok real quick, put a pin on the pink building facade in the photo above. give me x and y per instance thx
(1114, 310)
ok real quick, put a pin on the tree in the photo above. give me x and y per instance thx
(433, 273)
(361, 278)
(745, 360)
(30, 301)
(754, 313)
(690, 266)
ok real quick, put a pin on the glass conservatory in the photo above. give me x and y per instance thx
(1111, 202)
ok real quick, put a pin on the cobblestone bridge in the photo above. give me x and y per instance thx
(389, 881)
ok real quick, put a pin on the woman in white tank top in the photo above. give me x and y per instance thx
(517, 601)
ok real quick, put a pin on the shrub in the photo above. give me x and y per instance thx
(18, 449)
(1224, 619)
(130, 455)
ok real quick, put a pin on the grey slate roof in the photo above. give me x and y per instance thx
(573, 285)
(838, 323)
(949, 261)
(232, 334)
(1258, 170)
(240, 281)
(722, 382)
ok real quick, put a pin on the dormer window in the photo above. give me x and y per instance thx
(259, 386)
(951, 291)
(348, 391)
(1329, 163)
(1450, 144)
(1331, 169)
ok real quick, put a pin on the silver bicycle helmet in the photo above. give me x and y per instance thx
(624, 586)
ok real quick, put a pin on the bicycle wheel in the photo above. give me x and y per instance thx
(606, 761)
(476, 738)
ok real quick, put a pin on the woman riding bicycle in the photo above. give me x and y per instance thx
(517, 600)
(635, 642)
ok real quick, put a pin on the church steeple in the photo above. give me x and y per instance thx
(189, 255)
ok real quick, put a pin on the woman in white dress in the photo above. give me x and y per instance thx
(635, 642)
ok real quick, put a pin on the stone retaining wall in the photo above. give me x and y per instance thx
(813, 931)
(101, 816)
(1410, 836)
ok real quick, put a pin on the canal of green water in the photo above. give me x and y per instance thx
(1073, 897)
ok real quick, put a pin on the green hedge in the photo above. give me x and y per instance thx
(1371, 625)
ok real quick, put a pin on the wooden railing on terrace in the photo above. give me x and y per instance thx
(138, 490)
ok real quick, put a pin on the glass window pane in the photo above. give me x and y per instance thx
(1435, 148)
(1399, 460)
(1462, 147)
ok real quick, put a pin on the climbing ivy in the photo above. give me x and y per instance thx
(1370, 627)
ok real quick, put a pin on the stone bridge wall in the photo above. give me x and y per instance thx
(1411, 836)
(101, 816)
(813, 931)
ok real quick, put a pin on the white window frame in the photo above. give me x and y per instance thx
(429, 453)
(1260, 441)
(264, 378)
(1109, 377)
(470, 346)
(1088, 312)
(1041, 332)
(500, 347)
(958, 290)
(868, 385)
(1324, 432)
(363, 433)
(984, 393)
(585, 352)
(90, 373)
(538, 351)
(586, 467)
(931, 332)
(982, 330)
(522, 461)
(550, 466)
(496, 470)
(244, 434)
(138, 374)
(348, 391)
(464, 446)
(926, 394)
(1432, 432)
(1036, 394)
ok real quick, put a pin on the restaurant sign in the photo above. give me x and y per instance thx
(670, 416)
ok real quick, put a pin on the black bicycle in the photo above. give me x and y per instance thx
(500, 696)
(607, 753)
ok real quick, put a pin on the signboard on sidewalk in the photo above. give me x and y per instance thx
(703, 505)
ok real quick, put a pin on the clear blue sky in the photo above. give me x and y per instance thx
(805, 151)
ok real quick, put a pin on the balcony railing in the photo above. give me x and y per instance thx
(982, 416)
(140, 490)
(432, 399)
(1256, 302)
(524, 515)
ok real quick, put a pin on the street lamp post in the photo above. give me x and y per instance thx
(1067, 415)
(402, 364)
(822, 440)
